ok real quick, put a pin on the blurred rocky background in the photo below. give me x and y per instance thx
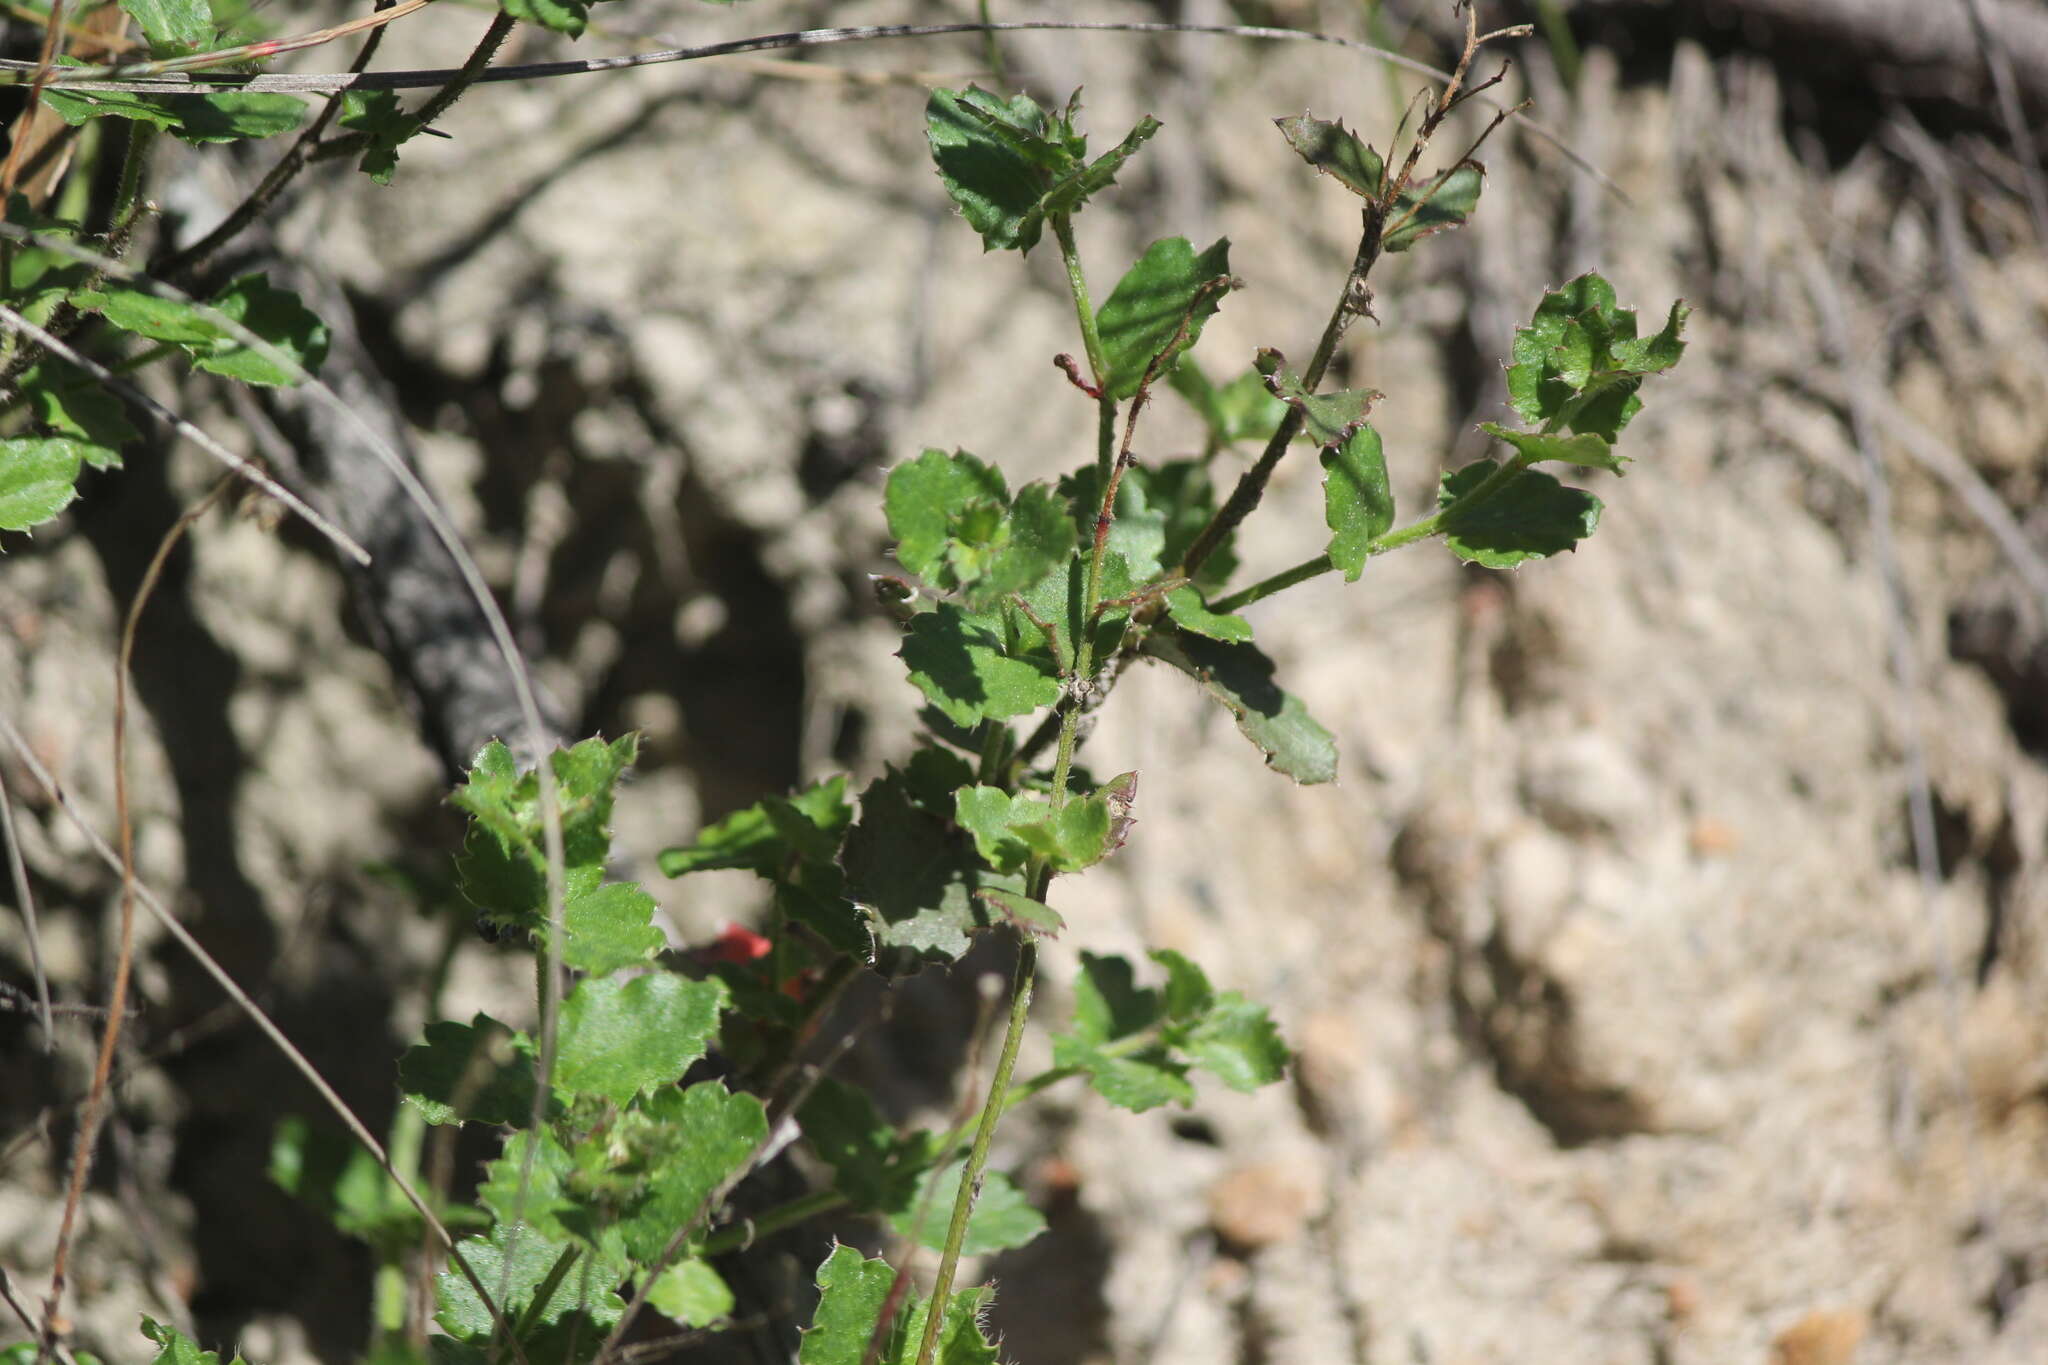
(1669, 967)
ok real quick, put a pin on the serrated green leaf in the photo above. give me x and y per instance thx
(1157, 309)
(1138, 528)
(277, 317)
(964, 664)
(1328, 419)
(961, 1338)
(1658, 353)
(1531, 516)
(925, 496)
(528, 1183)
(691, 1294)
(234, 116)
(1443, 201)
(1002, 1219)
(1136, 1081)
(1188, 994)
(1008, 830)
(1335, 152)
(984, 812)
(1588, 450)
(957, 527)
(1024, 914)
(227, 117)
(1358, 502)
(178, 25)
(915, 878)
(827, 909)
(995, 186)
(1235, 1041)
(1046, 140)
(842, 1125)
(1075, 836)
(764, 837)
(38, 479)
(24, 1353)
(1240, 677)
(1073, 190)
(1224, 1034)
(1579, 362)
(1109, 1007)
(710, 1136)
(609, 928)
(479, 1072)
(173, 1346)
(73, 405)
(39, 279)
(1033, 539)
(745, 839)
(76, 107)
(1243, 409)
(566, 17)
(379, 117)
(622, 1037)
(854, 1293)
(814, 821)
(1057, 601)
(516, 1261)
(500, 868)
(1108, 1002)
(147, 315)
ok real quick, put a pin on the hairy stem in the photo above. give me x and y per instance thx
(1279, 582)
(128, 198)
(1084, 311)
(977, 1156)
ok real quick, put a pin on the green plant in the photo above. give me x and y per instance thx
(1021, 610)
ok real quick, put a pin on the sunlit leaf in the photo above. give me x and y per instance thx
(1157, 309)
(1358, 502)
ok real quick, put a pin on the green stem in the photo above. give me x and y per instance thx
(1084, 311)
(1091, 343)
(977, 1157)
(995, 748)
(1052, 1076)
(1063, 762)
(545, 1291)
(773, 1221)
(1260, 591)
(1107, 464)
(1431, 525)
(128, 198)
